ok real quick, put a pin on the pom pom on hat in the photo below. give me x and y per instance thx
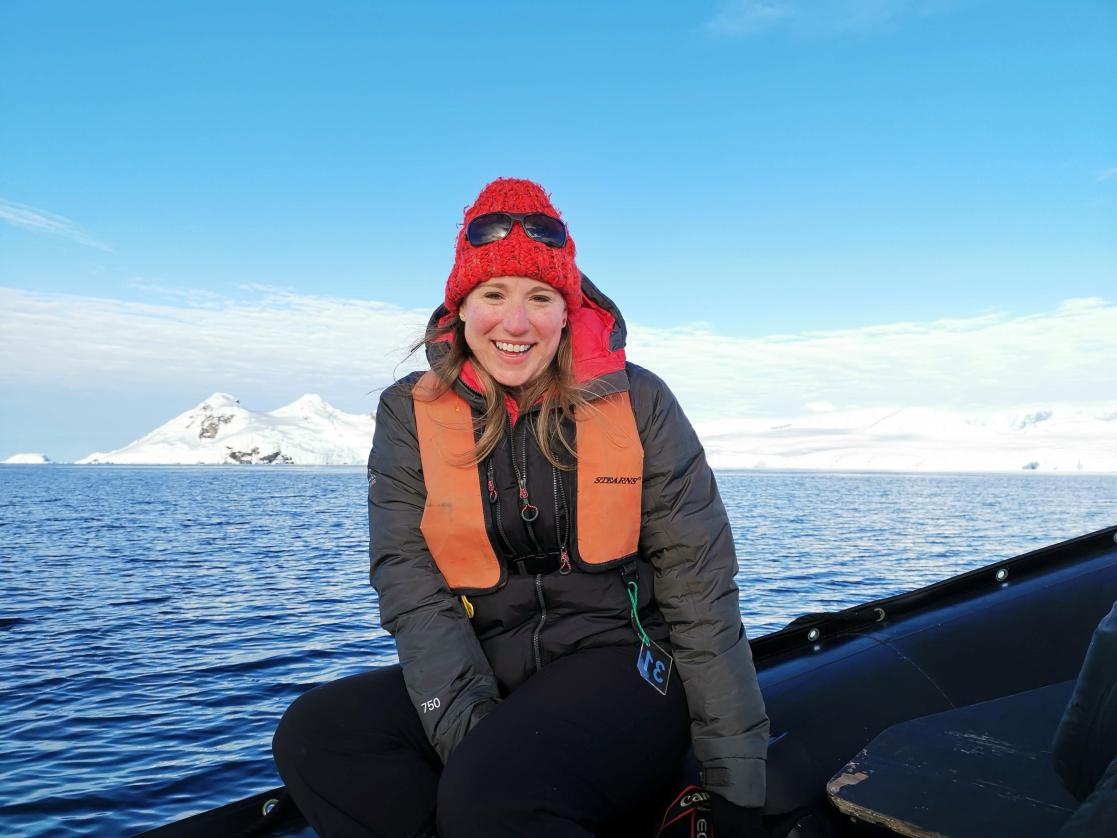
(516, 254)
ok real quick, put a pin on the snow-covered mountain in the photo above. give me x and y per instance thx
(308, 431)
(28, 460)
(1054, 438)
(1051, 438)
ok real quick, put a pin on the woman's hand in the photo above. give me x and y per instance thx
(732, 821)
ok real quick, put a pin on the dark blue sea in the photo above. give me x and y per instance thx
(155, 622)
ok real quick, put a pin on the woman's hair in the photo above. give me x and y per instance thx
(556, 391)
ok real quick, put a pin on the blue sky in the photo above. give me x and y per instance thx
(230, 183)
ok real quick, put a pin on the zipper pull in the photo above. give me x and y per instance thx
(528, 512)
(490, 477)
(564, 563)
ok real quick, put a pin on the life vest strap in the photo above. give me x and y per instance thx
(453, 518)
(610, 480)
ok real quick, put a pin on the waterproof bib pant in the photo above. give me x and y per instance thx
(580, 744)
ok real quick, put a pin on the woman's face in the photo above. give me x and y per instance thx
(513, 325)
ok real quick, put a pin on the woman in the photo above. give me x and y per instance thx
(556, 566)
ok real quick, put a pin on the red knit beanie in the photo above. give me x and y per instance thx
(516, 254)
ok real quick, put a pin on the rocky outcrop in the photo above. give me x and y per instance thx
(212, 424)
(254, 457)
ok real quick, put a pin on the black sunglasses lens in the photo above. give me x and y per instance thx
(488, 228)
(545, 229)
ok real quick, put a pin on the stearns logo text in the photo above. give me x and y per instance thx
(628, 481)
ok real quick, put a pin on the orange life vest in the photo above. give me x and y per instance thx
(610, 474)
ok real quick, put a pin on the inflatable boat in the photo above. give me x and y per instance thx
(968, 674)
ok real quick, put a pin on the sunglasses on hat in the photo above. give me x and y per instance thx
(494, 226)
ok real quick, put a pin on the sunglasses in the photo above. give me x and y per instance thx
(494, 226)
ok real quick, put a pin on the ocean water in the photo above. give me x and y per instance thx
(155, 622)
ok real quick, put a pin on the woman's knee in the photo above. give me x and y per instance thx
(369, 715)
(288, 742)
(312, 721)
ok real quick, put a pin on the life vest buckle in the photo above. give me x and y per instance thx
(531, 565)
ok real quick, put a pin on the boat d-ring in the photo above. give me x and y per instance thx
(879, 614)
(1001, 574)
(269, 804)
(813, 635)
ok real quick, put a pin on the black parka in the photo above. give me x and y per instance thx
(457, 668)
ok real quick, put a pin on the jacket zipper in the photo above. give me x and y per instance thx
(562, 515)
(542, 619)
(495, 504)
(529, 513)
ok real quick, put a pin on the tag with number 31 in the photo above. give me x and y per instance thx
(654, 665)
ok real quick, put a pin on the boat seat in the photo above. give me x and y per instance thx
(972, 772)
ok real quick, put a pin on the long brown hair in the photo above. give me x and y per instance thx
(556, 391)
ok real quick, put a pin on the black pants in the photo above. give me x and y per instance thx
(578, 745)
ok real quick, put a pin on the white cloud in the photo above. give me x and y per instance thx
(278, 344)
(989, 361)
(41, 221)
(275, 342)
(192, 297)
(819, 17)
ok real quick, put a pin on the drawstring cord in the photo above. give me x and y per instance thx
(634, 598)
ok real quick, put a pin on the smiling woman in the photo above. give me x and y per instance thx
(555, 564)
(512, 327)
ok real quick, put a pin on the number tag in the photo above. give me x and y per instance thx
(654, 666)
